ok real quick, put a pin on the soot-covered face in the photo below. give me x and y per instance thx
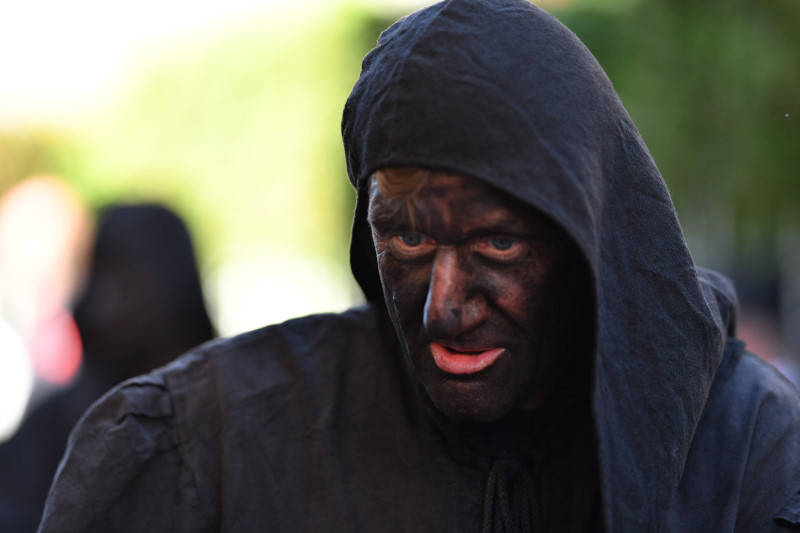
(474, 282)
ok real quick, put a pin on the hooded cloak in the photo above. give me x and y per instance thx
(513, 98)
(316, 425)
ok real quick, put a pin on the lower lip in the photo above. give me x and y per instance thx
(461, 363)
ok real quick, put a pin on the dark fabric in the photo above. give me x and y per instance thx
(310, 426)
(317, 424)
(142, 306)
(29, 459)
(143, 303)
(791, 511)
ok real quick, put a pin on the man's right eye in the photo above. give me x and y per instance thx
(411, 245)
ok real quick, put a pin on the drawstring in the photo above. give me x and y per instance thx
(530, 511)
(489, 497)
(498, 514)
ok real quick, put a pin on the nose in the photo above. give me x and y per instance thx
(453, 305)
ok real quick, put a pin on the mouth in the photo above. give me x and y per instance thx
(462, 362)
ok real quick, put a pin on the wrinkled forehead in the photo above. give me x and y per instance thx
(412, 196)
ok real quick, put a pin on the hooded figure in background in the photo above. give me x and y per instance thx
(142, 306)
(537, 352)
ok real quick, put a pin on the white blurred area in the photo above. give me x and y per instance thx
(16, 379)
(256, 290)
(44, 234)
(60, 60)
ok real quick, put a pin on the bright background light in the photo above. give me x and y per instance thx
(59, 60)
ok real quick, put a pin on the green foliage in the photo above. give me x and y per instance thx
(713, 87)
(26, 152)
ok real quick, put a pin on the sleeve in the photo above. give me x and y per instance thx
(769, 498)
(123, 470)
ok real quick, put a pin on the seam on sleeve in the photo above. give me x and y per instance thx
(180, 436)
(791, 510)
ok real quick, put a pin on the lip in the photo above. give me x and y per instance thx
(463, 362)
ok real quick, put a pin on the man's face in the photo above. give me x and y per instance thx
(475, 287)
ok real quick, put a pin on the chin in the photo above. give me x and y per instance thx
(463, 405)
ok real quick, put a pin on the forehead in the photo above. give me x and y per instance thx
(454, 200)
(439, 190)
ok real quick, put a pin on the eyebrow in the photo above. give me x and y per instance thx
(493, 216)
(384, 218)
(502, 224)
(493, 220)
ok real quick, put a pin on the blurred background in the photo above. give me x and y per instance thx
(228, 113)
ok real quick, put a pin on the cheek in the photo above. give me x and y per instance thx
(404, 288)
(514, 298)
(521, 292)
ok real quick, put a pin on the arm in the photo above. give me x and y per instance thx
(123, 469)
(772, 475)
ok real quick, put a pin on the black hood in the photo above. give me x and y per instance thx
(500, 91)
(143, 303)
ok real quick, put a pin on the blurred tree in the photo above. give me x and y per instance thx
(26, 152)
(713, 88)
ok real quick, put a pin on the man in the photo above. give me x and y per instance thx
(538, 352)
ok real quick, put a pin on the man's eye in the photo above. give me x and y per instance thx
(501, 248)
(502, 243)
(411, 245)
(410, 239)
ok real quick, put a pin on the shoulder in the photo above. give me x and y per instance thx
(745, 457)
(305, 336)
(298, 357)
(173, 428)
(297, 353)
(744, 371)
(214, 385)
(309, 337)
(751, 398)
(280, 380)
(121, 448)
(242, 401)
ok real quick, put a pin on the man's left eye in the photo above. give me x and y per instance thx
(502, 243)
(501, 248)
(411, 239)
